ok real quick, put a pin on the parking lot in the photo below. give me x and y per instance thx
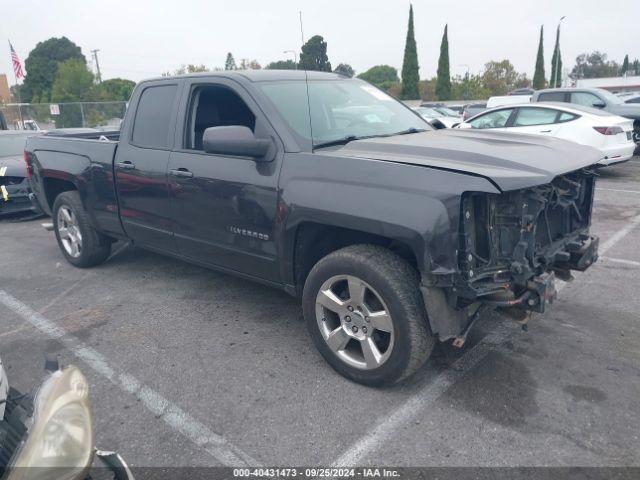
(192, 367)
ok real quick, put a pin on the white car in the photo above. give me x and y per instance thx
(611, 134)
(437, 119)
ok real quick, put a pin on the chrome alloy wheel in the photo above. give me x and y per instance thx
(354, 322)
(69, 231)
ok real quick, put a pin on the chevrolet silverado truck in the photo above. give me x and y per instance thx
(393, 234)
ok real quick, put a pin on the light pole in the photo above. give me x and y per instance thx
(557, 73)
(466, 95)
(295, 57)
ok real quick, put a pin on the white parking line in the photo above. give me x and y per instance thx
(179, 420)
(622, 261)
(384, 429)
(599, 189)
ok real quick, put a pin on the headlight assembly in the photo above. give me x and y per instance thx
(59, 442)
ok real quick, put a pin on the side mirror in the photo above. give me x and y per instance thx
(599, 104)
(234, 140)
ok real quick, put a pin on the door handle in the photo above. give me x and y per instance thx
(181, 172)
(126, 165)
(545, 131)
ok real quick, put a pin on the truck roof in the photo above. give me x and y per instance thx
(260, 75)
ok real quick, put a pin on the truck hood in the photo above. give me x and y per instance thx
(511, 161)
(15, 166)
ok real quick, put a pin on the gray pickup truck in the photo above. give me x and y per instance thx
(393, 234)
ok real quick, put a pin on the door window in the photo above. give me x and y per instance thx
(534, 116)
(497, 119)
(584, 98)
(214, 106)
(552, 97)
(153, 116)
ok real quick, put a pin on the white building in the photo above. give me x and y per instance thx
(613, 84)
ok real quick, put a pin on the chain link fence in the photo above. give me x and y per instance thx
(46, 116)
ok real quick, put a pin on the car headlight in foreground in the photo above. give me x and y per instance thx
(59, 442)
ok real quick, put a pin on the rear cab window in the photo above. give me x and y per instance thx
(153, 116)
(552, 97)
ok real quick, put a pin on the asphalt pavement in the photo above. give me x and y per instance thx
(192, 367)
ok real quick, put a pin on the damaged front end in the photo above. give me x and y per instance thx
(512, 246)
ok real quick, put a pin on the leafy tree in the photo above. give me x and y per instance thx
(635, 67)
(282, 65)
(112, 90)
(246, 64)
(382, 76)
(72, 83)
(556, 63)
(410, 67)
(42, 64)
(314, 55)
(499, 78)
(191, 68)
(345, 69)
(594, 65)
(468, 87)
(538, 76)
(443, 84)
(230, 63)
(625, 65)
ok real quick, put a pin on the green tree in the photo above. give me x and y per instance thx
(314, 55)
(538, 76)
(499, 78)
(625, 65)
(635, 67)
(42, 64)
(345, 69)
(382, 76)
(468, 87)
(72, 83)
(112, 90)
(594, 65)
(230, 62)
(282, 65)
(410, 67)
(443, 84)
(556, 63)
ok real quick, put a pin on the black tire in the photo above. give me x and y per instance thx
(397, 284)
(96, 247)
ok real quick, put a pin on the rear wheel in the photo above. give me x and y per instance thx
(81, 244)
(365, 313)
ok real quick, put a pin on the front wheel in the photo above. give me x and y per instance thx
(81, 244)
(364, 310)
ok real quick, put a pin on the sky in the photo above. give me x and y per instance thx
(143, 38)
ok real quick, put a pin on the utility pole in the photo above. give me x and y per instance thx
(94, 53)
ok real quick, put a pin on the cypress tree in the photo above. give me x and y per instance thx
(625, 65)
(410, 67)
(556, 73)
(538, 77)
(443, 83)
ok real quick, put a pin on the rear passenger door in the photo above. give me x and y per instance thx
(141, 166)
(535, 120)
(223, 207)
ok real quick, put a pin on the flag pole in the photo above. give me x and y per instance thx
(15, 77)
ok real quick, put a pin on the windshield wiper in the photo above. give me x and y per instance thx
(408, 131)
(339, 141)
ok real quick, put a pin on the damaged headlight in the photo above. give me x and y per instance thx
(59, 442)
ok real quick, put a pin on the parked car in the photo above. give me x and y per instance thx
(473, 109)
(448, 110)
(392, 234)
(51, 436)
(14, 184)
(436, 118)
(610, 134)
(595, 98)
(502, 100)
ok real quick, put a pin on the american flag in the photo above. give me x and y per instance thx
(17, 65)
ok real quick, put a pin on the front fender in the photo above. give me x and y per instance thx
(415, 205)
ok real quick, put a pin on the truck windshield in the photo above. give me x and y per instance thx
(338, 110)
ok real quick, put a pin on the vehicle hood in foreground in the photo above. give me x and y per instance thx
(511, 161)
(15, 166)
